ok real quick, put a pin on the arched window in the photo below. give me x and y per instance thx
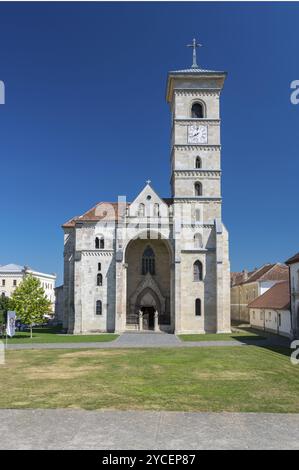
(197, 215)
(99, 243)
(99, 266)
(141, 210)
(198, 162)
(197, 307)
(197, 111)
(197, 240)
(156, 210)
(98, 307)
(99, 279)
(148, 261)
(198, 189)
(197, 271)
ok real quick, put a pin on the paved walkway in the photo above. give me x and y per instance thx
(76, 429)
(152, 340)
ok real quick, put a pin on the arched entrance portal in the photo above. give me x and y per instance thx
(148, 285)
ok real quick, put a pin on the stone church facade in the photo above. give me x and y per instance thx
(158, 263)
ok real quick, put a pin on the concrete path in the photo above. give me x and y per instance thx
(151, 340)
(76, 429)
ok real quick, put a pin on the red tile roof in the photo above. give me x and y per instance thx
(293, 259)
(268, 272)
(278, 297)
(109, 211)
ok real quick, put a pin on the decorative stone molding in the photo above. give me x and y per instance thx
(97, 253)
(197, 92)
(195, 227)
(197, 148)
(187, 122)
(196, 173)
(197, 199)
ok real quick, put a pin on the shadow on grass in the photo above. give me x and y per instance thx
(270, 341)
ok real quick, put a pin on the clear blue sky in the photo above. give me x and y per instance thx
(85, 117)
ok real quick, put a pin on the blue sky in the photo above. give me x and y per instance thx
(85, 117)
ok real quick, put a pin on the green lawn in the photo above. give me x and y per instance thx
(53, 335)
(188, 379)
(242, 335)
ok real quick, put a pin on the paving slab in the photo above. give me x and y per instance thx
(122, 430)
(140, 340)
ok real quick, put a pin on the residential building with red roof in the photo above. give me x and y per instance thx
(247, 286)
(271, 311)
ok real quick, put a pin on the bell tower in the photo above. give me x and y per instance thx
(202, 301)
(193, 95)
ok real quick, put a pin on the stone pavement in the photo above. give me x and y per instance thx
(77, 429)
(152, 340)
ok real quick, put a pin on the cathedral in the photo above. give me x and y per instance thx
(159, 264)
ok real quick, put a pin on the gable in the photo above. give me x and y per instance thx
(150, 201)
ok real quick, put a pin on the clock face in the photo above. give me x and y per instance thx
(197, 134)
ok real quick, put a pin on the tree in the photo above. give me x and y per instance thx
(30, 302)
(4, 306)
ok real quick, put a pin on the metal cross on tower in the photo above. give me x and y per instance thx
(194, 45)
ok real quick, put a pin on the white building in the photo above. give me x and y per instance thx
(159, 263)
(12, 274)
(293, 264)
(271, 310)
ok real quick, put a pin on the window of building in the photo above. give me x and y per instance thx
(3, 282)
(279, 319)
(197, 111)
(156, 210)
(141, 210)
(99, 279)
(198, 307)
(99, 266)
(14, 282)
(198, 189)
(253, 315)
(98, 307)
(198, 162)
(197, 215)
(261, 315)
(148, 261)
(99, 243)
(197, 240)
(197, 271)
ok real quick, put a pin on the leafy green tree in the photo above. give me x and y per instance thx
(30, 302)
(5, 304)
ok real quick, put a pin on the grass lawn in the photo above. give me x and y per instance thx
(242, 335)
(188, 379)
(53, 335)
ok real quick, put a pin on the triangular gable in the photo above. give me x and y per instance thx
(149, 198)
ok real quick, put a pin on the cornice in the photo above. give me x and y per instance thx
(197, 226)
(97, 253)
(197, 91)
(196, 172)
(198, 148)
(197, 199)
(189, 121)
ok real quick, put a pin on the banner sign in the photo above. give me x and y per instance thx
(11, 321)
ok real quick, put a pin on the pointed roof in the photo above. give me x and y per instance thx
(194, 71)
(11, 268)
(267, 272)
(278, 297)
(293, 259)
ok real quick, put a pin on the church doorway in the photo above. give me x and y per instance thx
(148, 282)
(148, 317)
